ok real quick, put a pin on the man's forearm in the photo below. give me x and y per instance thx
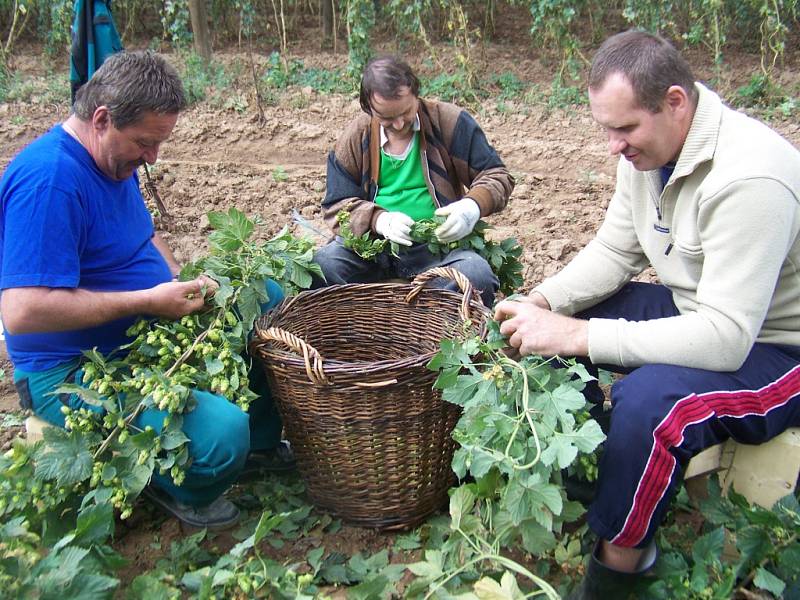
(38, 309)
(35, 309)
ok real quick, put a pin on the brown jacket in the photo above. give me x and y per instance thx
(457, 161)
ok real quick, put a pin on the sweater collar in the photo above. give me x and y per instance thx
(701, 141)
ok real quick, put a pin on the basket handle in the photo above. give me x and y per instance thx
(448, 273)
(313, 369)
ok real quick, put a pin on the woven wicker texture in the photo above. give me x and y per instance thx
(346, 366)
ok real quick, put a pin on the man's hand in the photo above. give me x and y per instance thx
(395, 226)
(461, 219)
(533, 329)
(175, 299)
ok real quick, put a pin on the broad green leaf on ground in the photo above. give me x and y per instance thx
(754, 544)
(708, 548)
(151, 587)
(431, 567)
(95, 524)
(766, 580)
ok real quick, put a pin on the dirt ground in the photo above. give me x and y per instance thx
(219, 158)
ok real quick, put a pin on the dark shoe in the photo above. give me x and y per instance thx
(604, 583)
(275, 460)
(220, 514)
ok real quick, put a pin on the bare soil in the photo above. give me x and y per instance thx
(218, 158)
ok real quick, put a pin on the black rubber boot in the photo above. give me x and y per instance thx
(604, 583)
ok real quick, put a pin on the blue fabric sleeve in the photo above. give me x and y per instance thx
(42, 239)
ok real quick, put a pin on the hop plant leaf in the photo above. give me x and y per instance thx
(503, 257)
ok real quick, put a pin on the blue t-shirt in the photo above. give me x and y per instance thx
(64, 224)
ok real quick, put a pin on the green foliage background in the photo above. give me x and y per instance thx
(561, 29)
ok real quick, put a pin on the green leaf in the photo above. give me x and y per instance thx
(224, 291)
(589, 436)
(300, 276)
(408, 541)
(671, 565)
(708, 548)
(487, 588)
(560, 451)
(232, 229)
(65, 456)
(333, 569)
(89, 396)
(516, 501)
(221, 577)
(789, 562)
(431, 567)
(249, 305)
(141, 441)
(151, 587)
(549, 495)
(462, 499)
(213, 365)
(314, 558)
(481, 462)
(767, 581)
(447, 377)
(373, 588)
(266, 524)
(173, 439)
(754, 543)
(536, 539)
(95, 524)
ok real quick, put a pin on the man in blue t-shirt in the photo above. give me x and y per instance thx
(80, 262)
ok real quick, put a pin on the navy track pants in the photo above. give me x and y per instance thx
(662, 415)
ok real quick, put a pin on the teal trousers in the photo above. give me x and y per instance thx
(221, 435)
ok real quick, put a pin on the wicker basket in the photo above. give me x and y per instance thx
(371, 435)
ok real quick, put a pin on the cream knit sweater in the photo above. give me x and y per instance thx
(731, 256)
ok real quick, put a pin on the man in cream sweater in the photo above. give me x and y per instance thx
(710, 198)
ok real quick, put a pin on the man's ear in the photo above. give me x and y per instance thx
(677, 100)
(101, 118)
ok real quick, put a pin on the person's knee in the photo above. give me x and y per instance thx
(480, 275)
(332, 262)
(274, 294)
(221, 443)
(640, 400)
(341, 265)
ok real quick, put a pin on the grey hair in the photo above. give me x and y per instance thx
(130, 85)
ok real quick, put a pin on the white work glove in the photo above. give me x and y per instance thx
(395, 227)
(461, 219)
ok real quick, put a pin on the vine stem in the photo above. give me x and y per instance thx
(526, 412)
(508, 564)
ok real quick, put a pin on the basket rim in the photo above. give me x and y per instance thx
(332, 366)
(479, 314)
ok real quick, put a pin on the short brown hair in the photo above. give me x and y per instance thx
(649, 62)
(131, 84)
(385, 75)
